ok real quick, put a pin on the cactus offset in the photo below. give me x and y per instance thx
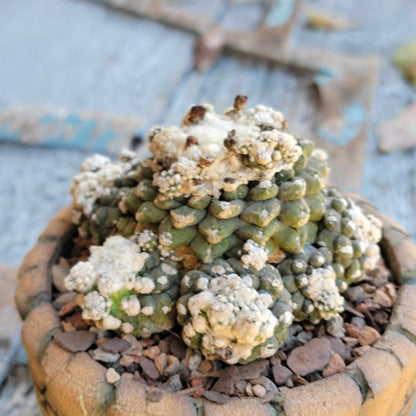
(238, 210)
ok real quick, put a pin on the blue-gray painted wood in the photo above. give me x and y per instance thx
(76, 55)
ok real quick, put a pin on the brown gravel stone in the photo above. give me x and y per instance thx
(77, 321)
(161, 363)
(382, 298)
(252, 370)
(67, 308)
(205, 366)
(151, 352)
(173, 365)
(112, 376)
(164, 346)
(259, 390)
(351, 342)
(149, 368)
(115, 345)
(63, 299)
(281, 374)
(197, 381)
(177, 347)
(336, 365)
(67, 326)
(58, 276)
(216, 397)
(351, 330)
(104, 356)
(313, 356)
(368, 336)
(75, 341)
(339, 347)
(362, 350)
(127, 360)
(391, 291)
(226, 383)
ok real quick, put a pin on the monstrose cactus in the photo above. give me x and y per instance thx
(228, 230)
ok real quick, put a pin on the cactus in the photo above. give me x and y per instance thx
(238, 209)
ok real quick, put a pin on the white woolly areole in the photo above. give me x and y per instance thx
(116, 264)
(208, 166)
(110, 268)
(81, 278)
(368, 231)
(232, 319)
(255, 255)
(323, 292)
(96, 178)
(94, 163)
(95, 306)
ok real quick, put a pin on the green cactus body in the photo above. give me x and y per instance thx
(242, 202)
(227, 318)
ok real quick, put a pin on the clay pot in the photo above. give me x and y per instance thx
(382, 382)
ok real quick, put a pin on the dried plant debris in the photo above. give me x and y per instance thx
(405, 60)
(399, 134)
(208, 48)
(321, 20)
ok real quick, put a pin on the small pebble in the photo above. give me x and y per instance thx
(161, 363)
(382, 298)
(76, 320)
(197, 381)
(355, 294)
(368, 336)
(259, 390)
(75, 341)
(59, 273)
(358, 322)
(352, 342)
(281, 374)
(194, 361)
(335, 327)
(149, 368)
(335, 366)
(164, 346)
(112, 376)
(249, 390)
(63, 299)
(313, 356)
(173, 384)
(172, 365)
(67, 308)
(151, 352)
(205, 366)
(127, 360)
(177, 347)
(362, 350)
(368, 288)
(216, 397)
(351, 330)
(115, 345)
(106, 357)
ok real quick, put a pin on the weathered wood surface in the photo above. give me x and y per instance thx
(77, 55)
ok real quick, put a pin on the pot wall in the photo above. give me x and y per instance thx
(380, 383)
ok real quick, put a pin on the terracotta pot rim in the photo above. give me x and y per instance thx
(372, 384)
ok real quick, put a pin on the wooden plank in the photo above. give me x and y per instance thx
(93, 132)
(10, 323)
(131, 68)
